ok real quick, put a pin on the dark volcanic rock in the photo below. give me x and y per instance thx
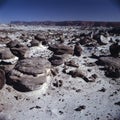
(115, 50)
(56, 60)
(61, 49)
(77, 50)
(30, 74)
(2, 78)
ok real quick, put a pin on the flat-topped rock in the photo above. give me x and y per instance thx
(32, 66)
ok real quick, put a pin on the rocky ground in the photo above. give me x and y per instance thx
(59, 73)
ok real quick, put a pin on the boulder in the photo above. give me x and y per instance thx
(4, 40)
(13, 44)
(79, 73)
(2, 78)
(112, 66)
(115, 50)
(88, 42)
(56, 60)
(34, 43)
(71, 63)
(41, 39)
(7, 67)
(30, 74)
(77, 50)
(7, 57)
(61, 49)
(19, 52)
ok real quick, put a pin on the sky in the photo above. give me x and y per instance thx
(59, 10)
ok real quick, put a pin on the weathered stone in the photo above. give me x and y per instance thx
(33, 66)
(5, 53)
(4, 40)
(61, 49)
(56, 60)
(19, 52)
(110, 61)
(13, 44)
(7, 57)
(112, 66)
(71, 63)
(30, 74)
(41, 39)
(7, 67)
(88, 42)
(79, 73)
(114, 50)
(2, 78)
(35, 43)
(77, 50)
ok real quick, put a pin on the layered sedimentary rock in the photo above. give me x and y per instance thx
(31, 73)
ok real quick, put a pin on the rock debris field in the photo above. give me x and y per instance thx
(59, 73)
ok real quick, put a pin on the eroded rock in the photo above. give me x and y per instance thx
(56, 60)
(19, 52)
(34, 42)
(112, 66)
(13, 44)
(2, 79)
(30, 74)
(61, 49)
(115, 50)
(79, 73)
(77, 50)
(7, 57)
(72, 63)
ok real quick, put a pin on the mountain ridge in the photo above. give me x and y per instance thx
(68, 23)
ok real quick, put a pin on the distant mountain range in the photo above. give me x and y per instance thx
(68, 23)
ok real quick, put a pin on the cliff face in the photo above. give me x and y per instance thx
(68, 23)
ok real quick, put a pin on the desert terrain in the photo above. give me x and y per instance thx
(59, 72)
